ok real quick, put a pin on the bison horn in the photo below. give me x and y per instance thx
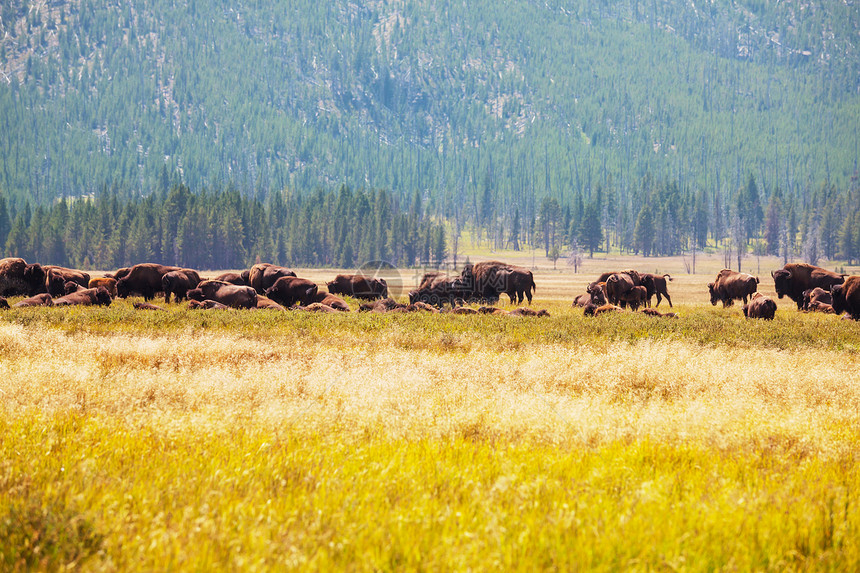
(772, 275)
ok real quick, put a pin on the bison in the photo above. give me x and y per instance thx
(291, 290)
(489, 279)
(87, 297)
(57, 277)
(233, 278)
(331, 300)
(263, 276)
(760, 306)
(144, 279)
(231, 295)
(178, 283)
(146, 306)
(656, 285)
(846, 297)
(814, 298)
(41, 299)
(657, 313)
(4, 304)
(441, 290)
(12, 277)
(795, 278)
(635, 297)
(265, 303)
(730, 286)
(359, 286)
(107, 282)
(617, 286)
(207, 304)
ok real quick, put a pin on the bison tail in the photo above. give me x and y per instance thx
(667, 276)
(533, 286)
(756, 280)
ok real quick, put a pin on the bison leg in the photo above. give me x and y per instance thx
(529, 295)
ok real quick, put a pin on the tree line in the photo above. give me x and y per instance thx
(223, 229)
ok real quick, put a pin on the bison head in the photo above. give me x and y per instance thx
(195, 294)
(781, 282)
(714, 297)
(122, 288)
(838, 294)
(34, 276)
(103, 296)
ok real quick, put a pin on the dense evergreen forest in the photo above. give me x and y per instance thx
(644, 126)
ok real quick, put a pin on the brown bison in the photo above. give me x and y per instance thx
(331, 300)
(383, 305)
(13, 280)
(358, 286)
(846, 297)
(143, 279)
(730, 286)
(656, 285)
(234, 296)
(263, 276)
(635, 297)
(146, 306)
(87, 297)
(487, 280)
(178, 283)
(107, 282)
(440, 290)
(4, 304)
(292, 290)
(617, 286)
(71, 287)
(760, 306)
(265, 303)
(42, 299)
(657, 313)
(815, 298)
(57, 277)
(605, 309)
(233, 278)
(207, 304)
(525, 311)
(795, 278)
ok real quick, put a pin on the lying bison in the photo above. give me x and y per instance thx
(233, 278)
(730, 286)
(42, 299)
(263, 276)
(292, 290)
(13, 278)
(358, 286)
(87, 297)
(846, 297)
(57, 277)
(795, 278)
(234, 296)
(760, 306)
(816, 299)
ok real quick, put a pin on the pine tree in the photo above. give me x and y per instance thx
(590, 232)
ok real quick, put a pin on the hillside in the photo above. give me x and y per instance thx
(486, 108)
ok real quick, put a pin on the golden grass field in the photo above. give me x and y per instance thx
(206, 440)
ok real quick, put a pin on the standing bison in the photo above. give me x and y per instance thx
(439, 289)
(656, 285)
(12, 277)
(144, 279)
(178, 283)
(358, 286)
(846, 297)
(227, 294)
(730, 286)
(795, 278)
(760, 306)
(489, 279)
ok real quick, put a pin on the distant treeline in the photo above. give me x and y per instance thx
(224, 230)
(346, 228)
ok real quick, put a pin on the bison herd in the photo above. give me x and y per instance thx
(268, 286)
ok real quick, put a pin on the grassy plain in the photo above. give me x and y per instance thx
(206, 440)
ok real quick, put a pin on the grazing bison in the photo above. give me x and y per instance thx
(489, 279)
(57, 277)
(107, 282)
(760, 306)
(233, 278)
(795, 278)
(814, 298)
(846, 297)
(730, 286)
(87, 297)
(331, 300)
(292, 290)
(144, 279)
(42, 299)
(178, 283)
(234, 296)
(359, 286)
(263, 276)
